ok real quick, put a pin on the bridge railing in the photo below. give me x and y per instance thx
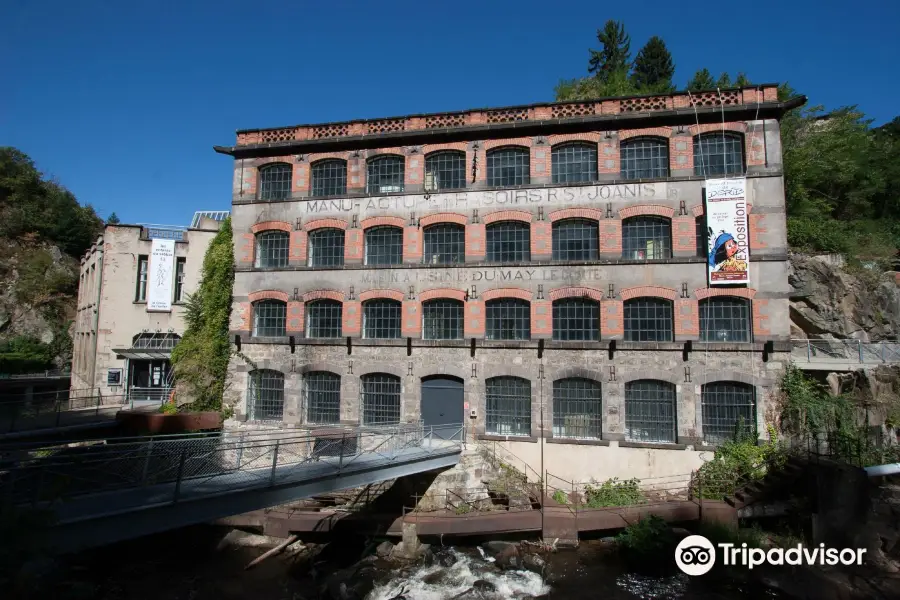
(56, 409)
(853, 351)
(250, 459)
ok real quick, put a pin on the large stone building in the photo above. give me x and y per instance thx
(122, 342)
(539, 272)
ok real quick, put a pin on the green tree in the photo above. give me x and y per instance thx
(589, 88)
(702, 80)
(613, 57)
(200, 360)
(113, 219)
(653, 67)
(742, 80)
(724, 81)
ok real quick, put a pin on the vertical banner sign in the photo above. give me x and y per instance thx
(162, 259)
(729, 234)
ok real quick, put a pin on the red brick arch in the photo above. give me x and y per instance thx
(591, 139)
(322, 223)
(576, 213)
(442, 293)
(259, 163)
(697, 211)
(267, 295)
(382, 221)
(271, 226)
(704, 293)
(506, 293)
(323, 295)
(522, 142)
(428, 149)
(443, 218)
(576, 292)
(508, 215)
(373, 294)
(314, 158)
(647, 209)
(738, 127)
(643, 291)
(659, 132)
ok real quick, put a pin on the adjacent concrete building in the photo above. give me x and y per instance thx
(121, 344)
(540, 273)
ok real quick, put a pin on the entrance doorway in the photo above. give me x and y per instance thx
(442, 406)
(148, 380)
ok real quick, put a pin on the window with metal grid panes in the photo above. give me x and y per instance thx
(644, 158)
(329, 177)
(702, 236)
(574, 163)
(718, 154)
(508, 319)
(269, 318)
(326, 247)
(445, 243)
(728, 411)
(442, 319)
(384, 174)
(140, 294)
(445, 170)
(648, 320)
(265, 395)
(380, 399)
(724, 319)
(180, 264)
(384, 245)
(324, 319)
(576, 239)
(322, 397)
(508, 241)
(507, 406)
(272, 249)
(650, 411)
(275, 182)
(577, 408)
(381, 319)
(646, 238)
(508, 166)
(576, 319)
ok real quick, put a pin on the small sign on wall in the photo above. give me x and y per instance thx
(114, 377)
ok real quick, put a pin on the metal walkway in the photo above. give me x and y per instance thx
(110, 492)
(43, 413)
(843, 355)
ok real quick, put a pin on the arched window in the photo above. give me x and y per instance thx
(576, 319)
(718, 153)
(155, 341)
(380, 399)
(508, 319)
(650, 411)
(729, 411)
(647, 238)
(648, 320)
(508, 166)
(381, 319)
(702, 236)
(324, 319)
(442, 319)
(509, 241)
(265, 395)
(577, 408)
(445, 243)
(272, 249)
(384, 245)
(576, 239)
(507, 406)
(322, 397)
(275, 181)
(644, 158)
(385, 175)
(445, 170)
(725, 319)
(329, 177)
(574, 163)
(326, 247)
(269, 318)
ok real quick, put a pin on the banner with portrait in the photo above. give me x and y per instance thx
(159, 284)
(728, 231)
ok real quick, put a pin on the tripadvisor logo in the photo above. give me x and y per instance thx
(696, 555)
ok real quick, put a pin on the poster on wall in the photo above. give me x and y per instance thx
(728, 231)
(159, 284)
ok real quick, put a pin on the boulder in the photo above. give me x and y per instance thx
(445, 558)
(482, 585)
(384, 550)
(509, 558)
(495, 548)
(534, 563)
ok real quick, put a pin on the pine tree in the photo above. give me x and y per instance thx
(742, 80)
(702, 80)
(113, 219)
(653, 67)
(615, 54)
(724, 81)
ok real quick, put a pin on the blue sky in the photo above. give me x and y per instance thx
(123, 101)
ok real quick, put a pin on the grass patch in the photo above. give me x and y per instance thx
(613, 492)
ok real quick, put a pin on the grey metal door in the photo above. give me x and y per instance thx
(442, 407)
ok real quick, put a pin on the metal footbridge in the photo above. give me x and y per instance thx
(103, 493)
(843, 355)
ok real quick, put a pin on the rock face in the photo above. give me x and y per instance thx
(828, 302)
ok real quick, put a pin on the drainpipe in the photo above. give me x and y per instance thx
(880, 470)
(96, 327)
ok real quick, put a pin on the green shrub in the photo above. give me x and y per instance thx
(25, 354)
(613, 492)
(560, 497)
(647, 544)
(737, 462)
